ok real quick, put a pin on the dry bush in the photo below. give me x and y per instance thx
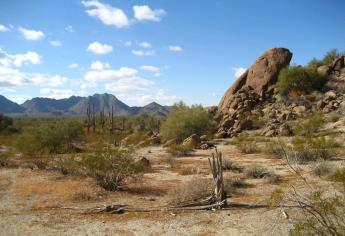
(248, 147)
(230, 184)
(305, 149)
(323, 168)
(258, 172)
(190, 170)
(171, 161)
(112, 167)
(179, 150)
(84, 195)
(274, 149)
(190, 191)
(231, 166)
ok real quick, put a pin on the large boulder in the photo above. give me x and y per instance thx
(261, 76)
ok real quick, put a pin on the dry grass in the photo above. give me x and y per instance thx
(257, 172)
(228, 164)
(248, 147)
(323, 168)
(190, 191)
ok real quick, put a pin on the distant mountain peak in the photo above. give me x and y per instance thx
(77, 106)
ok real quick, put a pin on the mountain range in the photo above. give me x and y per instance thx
(77, 106)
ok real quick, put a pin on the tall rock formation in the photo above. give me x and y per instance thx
(261, 76)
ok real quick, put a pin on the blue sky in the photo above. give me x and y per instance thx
(162, 50)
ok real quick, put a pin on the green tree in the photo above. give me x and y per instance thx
(183, 121)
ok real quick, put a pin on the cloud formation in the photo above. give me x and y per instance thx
(31, 34)
(4, 28)
(145, 13)
(238, 71)
(107, 14)
(141, 53)
(55, 43)
(99, 48)
(175, 48)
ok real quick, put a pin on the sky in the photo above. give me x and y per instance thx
(159, 50)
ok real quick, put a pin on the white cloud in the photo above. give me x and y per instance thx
(107, 14)
(145, 45)
(128, 43)
(150, 68)
(142, 99)
(29, 57)
(175, 48)
(238, 71)
(70, 29)
(19, 98)
(141, 53)
(108, 74)
(56, 93)
(97, 65)
(4, 28)
(55, 43)
(145, 13)
(18, 60)
(129, 84)
(31, 34)
(74, 65)
(10, 77)
(99, 48)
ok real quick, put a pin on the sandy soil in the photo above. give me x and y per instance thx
(35, 202)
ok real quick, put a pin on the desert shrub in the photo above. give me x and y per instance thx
(56, 136)
(179, 150)
(183, 121)
(6, 125)
(299, 79)
(231, 166)
(322, 168)
(111, 167)
(339, 176)
(275, 149)
(323, 214)
(189, 192)
(313, 148)
(328, 58)
(334, 117)
(230, 184)
(190, 170)
(310, 125)
(257, 171)
(248, 147)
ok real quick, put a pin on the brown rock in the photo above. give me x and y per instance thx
(261, 76)
(192, 141)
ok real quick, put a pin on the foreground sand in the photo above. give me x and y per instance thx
(35, 202)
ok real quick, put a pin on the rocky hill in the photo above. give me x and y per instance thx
(253, 101)
(7, 106)
(77, 106)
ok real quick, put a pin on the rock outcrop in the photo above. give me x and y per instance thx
(261, 76)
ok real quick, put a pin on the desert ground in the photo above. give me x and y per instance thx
(38, 202)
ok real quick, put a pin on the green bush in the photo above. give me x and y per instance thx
(328, 58)
(184, 121)
(310, 125)
(313, 148)
(299, 79)
(111, 167)
(6, 124)
(55, 136)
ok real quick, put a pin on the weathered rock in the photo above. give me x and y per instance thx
(169, 142)
(144, 162)
(192, 141)
(220, 134)
(299, 110)
(261, 76)
(203, 138)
